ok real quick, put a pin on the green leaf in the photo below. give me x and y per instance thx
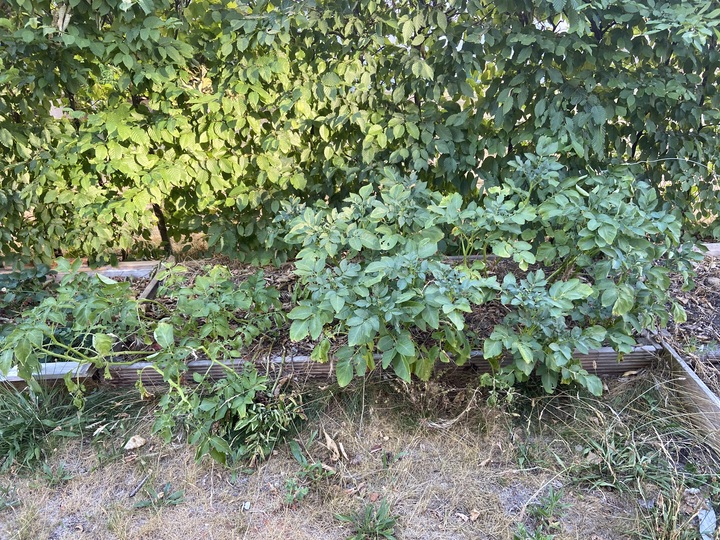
(331, 79)
(344, 370)
(336, 301)
(315, 327)
(298, 181)
(624, 303)
(423, 367)
(401, 365)
(301, 312)
(361, 333)
(103, 344)
(607, 233)
(442, 21)
(6, 138)
(502, 249)
(609, 296)
(405, 345)
(388, 356)
(164, 335)
(678, 313)
(426, 249)
(6, 361)
(320, 352)
(492, 348)
(106, 280)
(524, 351)
(299, 329)
(549, 381)
(407, 31)
(431, 316)
(457, 319)
(594, 385)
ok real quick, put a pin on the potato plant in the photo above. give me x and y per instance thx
(375, 281)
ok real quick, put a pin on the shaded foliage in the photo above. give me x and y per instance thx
(204, 115)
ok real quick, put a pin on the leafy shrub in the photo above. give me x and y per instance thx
(200, 117)
(215, 308)
(80, 322)
(94, 319)
(22, 289)
(396, 284)
(239, 417)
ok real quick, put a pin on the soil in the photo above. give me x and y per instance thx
(480, 322)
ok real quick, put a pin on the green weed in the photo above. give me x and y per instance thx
(165, 497)
(8, 497)
(57, 476)
(310, 475)
(371, 522)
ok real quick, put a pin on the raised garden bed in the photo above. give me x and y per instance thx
(143, 274)
(293, 359)
(601, 362)
(693, 348)
(288, 358)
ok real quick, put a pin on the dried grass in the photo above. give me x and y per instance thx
(478, 478)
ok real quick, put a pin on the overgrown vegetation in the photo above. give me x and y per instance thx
(239, 417)
(35, 422)
(117, 116)
(564, 153)
(94, 319)
(529, 132)
(374, 274)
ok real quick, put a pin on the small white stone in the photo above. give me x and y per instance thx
(135, 442)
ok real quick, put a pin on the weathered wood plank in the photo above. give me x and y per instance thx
(53, 371)
(603, 362)
(702, 404)
(151, 289)
(713, 249)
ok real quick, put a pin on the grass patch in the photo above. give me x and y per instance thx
(635, 442)
(33, 424)
(417, 461)
(29, 422)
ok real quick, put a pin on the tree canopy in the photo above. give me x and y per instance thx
(116, 115)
